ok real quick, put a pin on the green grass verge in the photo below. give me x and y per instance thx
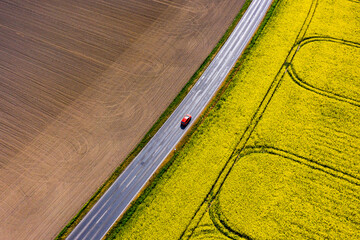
(165, 115)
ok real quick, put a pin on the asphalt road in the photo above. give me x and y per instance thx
(118, 197)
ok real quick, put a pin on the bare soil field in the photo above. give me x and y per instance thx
(81, 82)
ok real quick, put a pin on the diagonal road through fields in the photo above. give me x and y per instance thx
(118, 197)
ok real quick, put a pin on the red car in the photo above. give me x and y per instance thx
(185, 121)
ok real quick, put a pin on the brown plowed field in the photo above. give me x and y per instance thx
(81, 82)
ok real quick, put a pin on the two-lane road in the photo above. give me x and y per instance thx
(118, 197)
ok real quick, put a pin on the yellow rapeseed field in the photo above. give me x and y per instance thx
(276, 195)
(278, 157)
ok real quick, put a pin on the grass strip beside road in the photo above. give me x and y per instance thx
(166, 114)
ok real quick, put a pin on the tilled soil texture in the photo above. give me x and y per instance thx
(81, 82)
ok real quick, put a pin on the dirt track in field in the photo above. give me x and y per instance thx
(81, 82)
